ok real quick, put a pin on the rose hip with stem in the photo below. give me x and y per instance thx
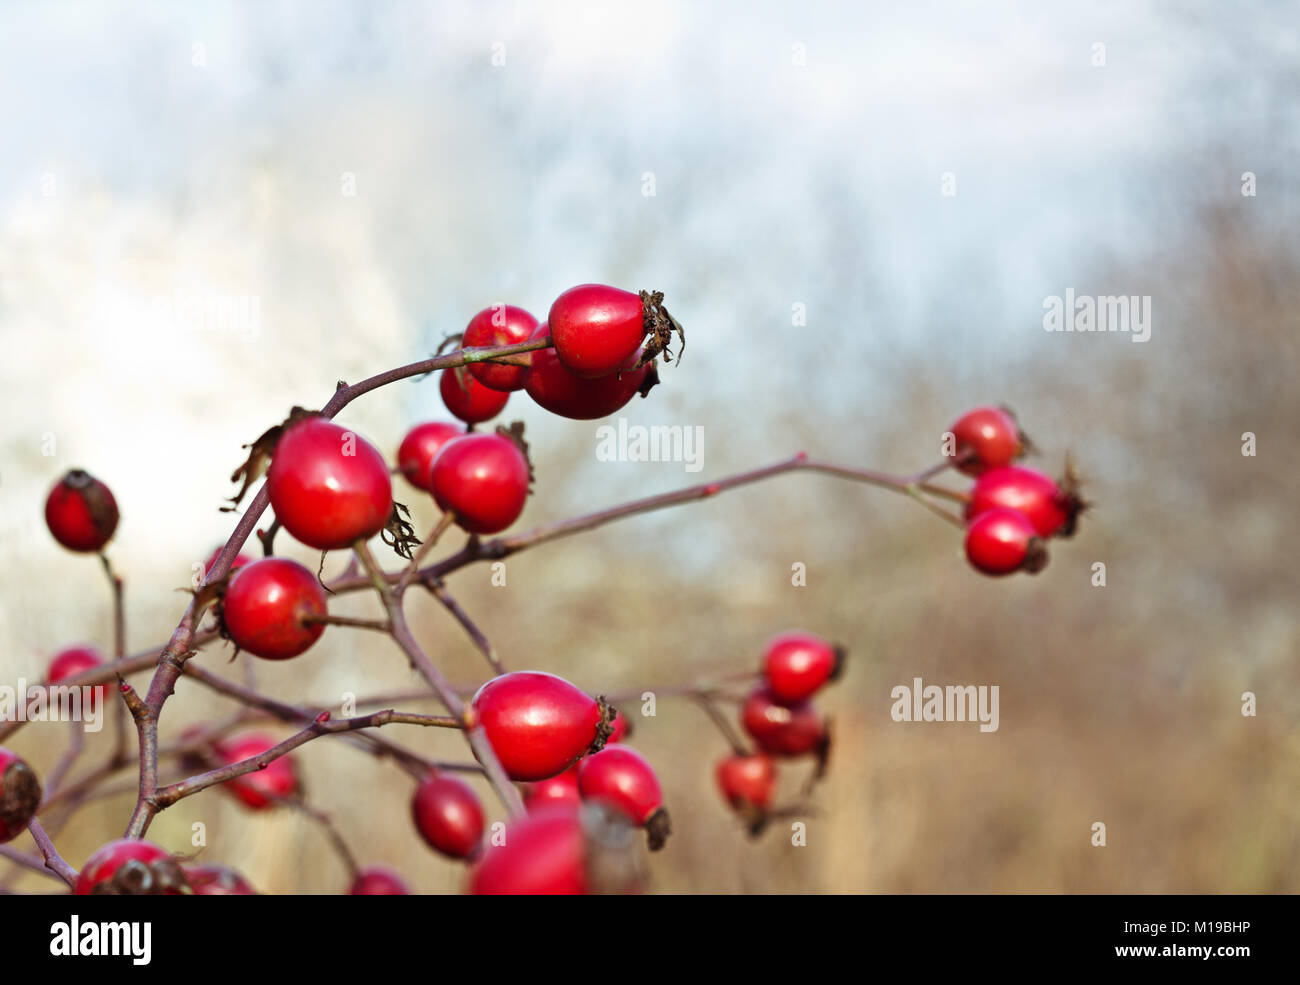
(448, 815)
(419, 448)
(1001, 541)
(468, 399)
(796, 665)
(72, 662)
(621, 776)
(538, 723)
(268, 605)
(554, 388)
(986, 438)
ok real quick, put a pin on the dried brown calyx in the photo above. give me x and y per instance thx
(259, 455)
(515, 434)
(660, 327)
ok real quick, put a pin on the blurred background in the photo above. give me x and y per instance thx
(858, 211)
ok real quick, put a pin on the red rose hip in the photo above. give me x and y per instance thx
(554, 388)
(329, 487)
(538, 724)
(378, 880)
(262, 788)
(543, 855)
(796, 665)
(1051, 508)
(597, 330)
(448, 815)
(129, 867)
(560, 789)
(621, 776)
(748, 782)
(987, 438)
(216, 880)
(266, 606)
(81, 512)
(782, 730)
(419, 448)
(482, 479)
(468, 399)
(501, 324)
(1001, 541)
(72, 662)
(20, 795)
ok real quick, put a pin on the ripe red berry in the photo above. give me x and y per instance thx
(265, 606)
(129, 867)
(542, 855)
(622, 777)
(448, 815)
(329, 487)
(72, 662)
(378, 880)
(81, 512)
(987, 438)
(538, 724)
(796, 665)
(748, 782)
(20, 795)
(468, 399)
(597, 330)
(1049, 507)
(239, 561)
(501, 324)
(559, 789)
(262, 788)
(782, 730)
(216, 880)
(1000, 541)
(483, 479)
(556, 389)
(419, 448)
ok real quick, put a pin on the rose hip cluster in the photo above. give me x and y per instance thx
(1010, 511)
(558, 757)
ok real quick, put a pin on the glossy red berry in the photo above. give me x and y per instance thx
(81, 512)
(482, 479)
(266, 605)
(556, 389)
(538, 724)
(1000, 541)
(542, 855)
(262, 788)
(216, 880)
(796, 665)
(448, 815)
(239, 561)
(419, 448)
(20, 795)
(72, 662)
(782, 730)
(597, 330)
(129, 867)
(378, 880)
(986, 438)
(329, 487)
(620, 776)
(468, 399)
(1049, 507)
(559, 789)
(748, 782)
(501, 324)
